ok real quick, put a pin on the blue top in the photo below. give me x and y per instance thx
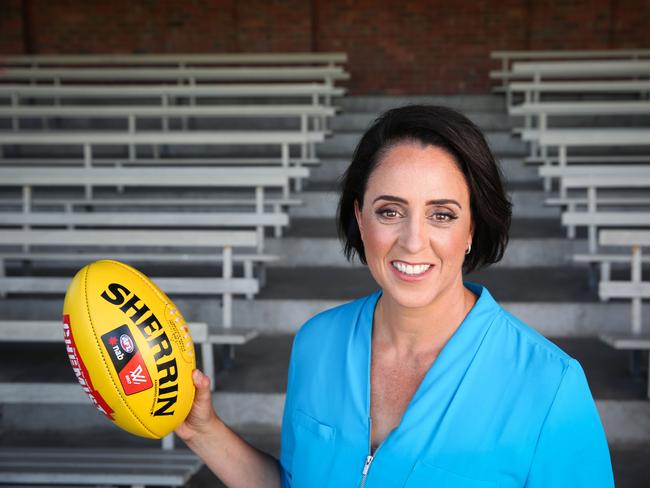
(500, 406)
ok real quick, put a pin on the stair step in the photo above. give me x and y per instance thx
(526, 203)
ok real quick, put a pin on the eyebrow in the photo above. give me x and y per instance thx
(441, 201)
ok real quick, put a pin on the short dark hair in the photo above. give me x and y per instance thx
(449, 130)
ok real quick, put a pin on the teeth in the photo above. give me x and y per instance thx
(410, 269)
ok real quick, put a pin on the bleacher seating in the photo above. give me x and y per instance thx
(201, 215)
(603, 183)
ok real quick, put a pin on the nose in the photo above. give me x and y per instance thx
(414, 237)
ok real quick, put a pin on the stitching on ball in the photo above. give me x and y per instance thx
(156, 290)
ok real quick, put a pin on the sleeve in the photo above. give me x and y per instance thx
(288, 440)
(572, 448)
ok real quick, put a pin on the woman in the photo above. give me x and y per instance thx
(427, 382)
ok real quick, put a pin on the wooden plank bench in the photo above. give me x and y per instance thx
(635, 289)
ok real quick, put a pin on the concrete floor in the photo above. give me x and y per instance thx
(629, 461)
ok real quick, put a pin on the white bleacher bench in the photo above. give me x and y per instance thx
(308, 116)
(175, 60)
(561, 172)
(274, 206)
(596, 219)
(145, 242)
(581, 69)
(135, 467)
(51, 331)
(576, 70)
(635, 289)
(507, 57)
(565, 139)
(87, 140)
(533, 91)
(192, 75)
(254, 178)
(169, 94)
(89, 466)
(591, 159)
(537, 114)
(131, 218)
(156, 161)
(593, 218)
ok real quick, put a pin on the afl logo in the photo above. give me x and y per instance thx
(127, 343)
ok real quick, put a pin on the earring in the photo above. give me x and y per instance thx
(469, 248)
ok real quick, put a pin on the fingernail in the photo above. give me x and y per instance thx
(197, 375)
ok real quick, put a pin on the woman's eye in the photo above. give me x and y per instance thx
(388, 213)
(443, 217)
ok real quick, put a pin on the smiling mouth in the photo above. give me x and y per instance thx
(410, 269)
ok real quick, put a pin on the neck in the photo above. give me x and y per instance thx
(413, 331)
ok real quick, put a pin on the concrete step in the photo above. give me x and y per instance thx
(342, 144)
(629, 458)
(533, 242)
(360, 121)
(273, 315)
(261, 366)
(526, 204)
(463, 103)
(253, 390)
(513, 168)
(520, 228)
(557, 301)
(328, 251)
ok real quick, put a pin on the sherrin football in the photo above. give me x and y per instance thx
(130, 348)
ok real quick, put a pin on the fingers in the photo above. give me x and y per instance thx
(201, 380)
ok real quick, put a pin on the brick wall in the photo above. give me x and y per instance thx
(394, 46)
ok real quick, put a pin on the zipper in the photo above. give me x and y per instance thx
(366, 468)
(371, 457)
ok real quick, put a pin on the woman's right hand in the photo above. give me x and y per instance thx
(202, 417)
(233, 460)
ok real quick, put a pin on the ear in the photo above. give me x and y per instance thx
(357, 215)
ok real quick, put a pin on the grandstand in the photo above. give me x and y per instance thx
(240, 153)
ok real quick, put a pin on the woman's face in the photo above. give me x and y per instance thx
(416, 223)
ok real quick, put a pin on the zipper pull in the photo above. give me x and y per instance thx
(366, 467)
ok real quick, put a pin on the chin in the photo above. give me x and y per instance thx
(413, 298)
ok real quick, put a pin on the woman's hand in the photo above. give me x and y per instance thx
(233, 460)
(202, 417)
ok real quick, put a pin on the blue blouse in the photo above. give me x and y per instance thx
(500, 406)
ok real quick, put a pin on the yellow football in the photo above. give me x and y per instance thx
(130, 348)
